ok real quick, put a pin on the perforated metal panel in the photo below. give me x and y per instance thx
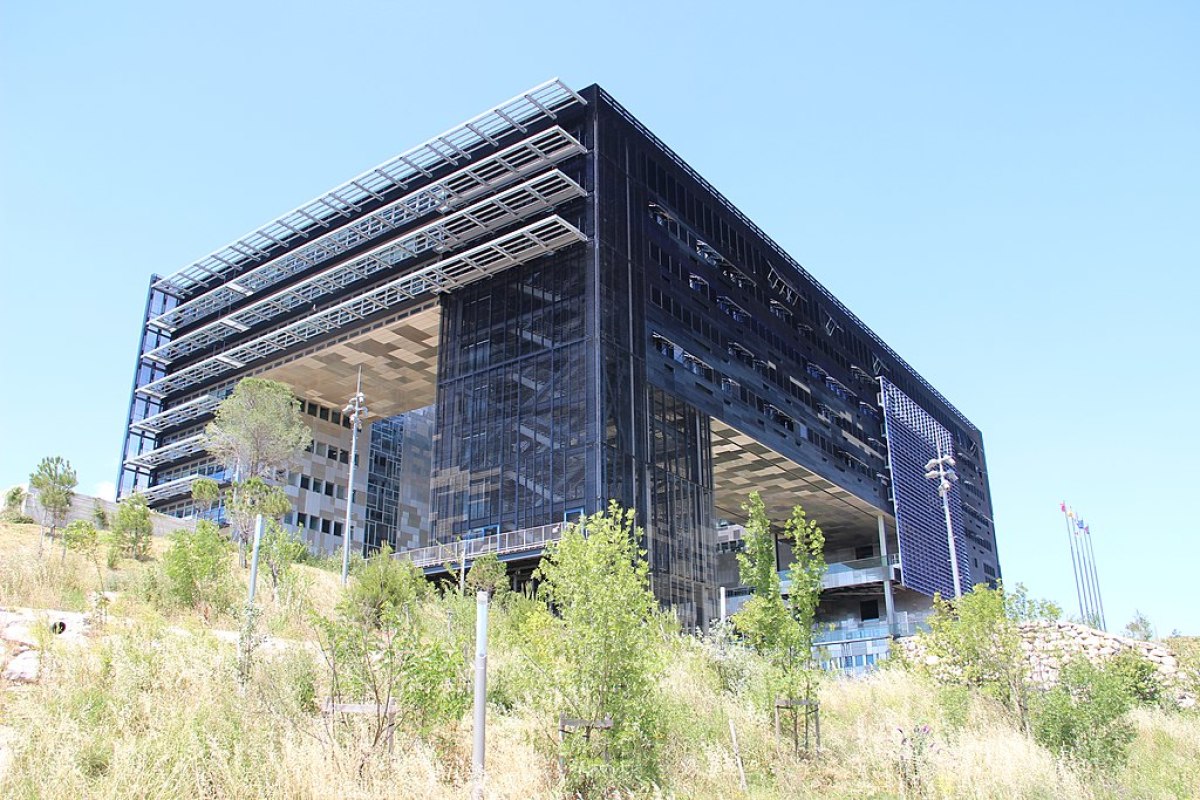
(913, 438)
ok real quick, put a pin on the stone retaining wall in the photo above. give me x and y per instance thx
(1049, 646)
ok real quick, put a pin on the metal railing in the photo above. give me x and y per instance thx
(906, 624)
(849, 573)
(508, 542)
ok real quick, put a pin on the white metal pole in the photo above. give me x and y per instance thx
(723, 604)
(258, 532)
(950, 539)
(478, 746)
(346, 532)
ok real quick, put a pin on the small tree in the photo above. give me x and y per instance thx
(488, 574)
(386, 582)
(280, 549)
(377, 650)
(779, 628)
(601, 652)
(132, 527)
(976, 642)
(99, 514)
(205, 494)
(54, 481)
(14, 499)
(1140, 627)
(258, 429)
(254, 497)
(82, 537)
(197, 568)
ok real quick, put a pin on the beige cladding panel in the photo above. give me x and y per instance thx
(398, 363)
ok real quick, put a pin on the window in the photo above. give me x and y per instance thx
(866, 551)
(325, 526)
(868, 610)
(697, 284)
(336, 417)
(337, 529)
(318, 485)
(329, 488)
(305, 482)
(572, 514)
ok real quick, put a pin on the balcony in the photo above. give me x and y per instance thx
(527, 540)
(906, 624)
(841, 574)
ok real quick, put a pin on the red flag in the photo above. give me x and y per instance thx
(1063, 506)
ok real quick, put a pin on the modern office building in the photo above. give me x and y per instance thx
(574, 315)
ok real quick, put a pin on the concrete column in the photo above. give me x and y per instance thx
(888, 601)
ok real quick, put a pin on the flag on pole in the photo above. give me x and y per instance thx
(1063, 506)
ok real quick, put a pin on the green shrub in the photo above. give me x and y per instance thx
(602, 653)
(1083, 719)
(197, 570)
(1138, 677)
(132, 528)
(385, 582)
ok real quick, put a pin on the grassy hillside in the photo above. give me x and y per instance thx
(151, 707)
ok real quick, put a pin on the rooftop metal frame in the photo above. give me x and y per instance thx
(517, 247)
(175, 451)
(170, 489)
(450, 148)
(771, 243)
(178, 415)
(489, 174)
(448, 233)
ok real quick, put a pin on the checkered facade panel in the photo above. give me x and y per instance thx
(913, 439)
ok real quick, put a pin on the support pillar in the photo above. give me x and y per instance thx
(888, 600)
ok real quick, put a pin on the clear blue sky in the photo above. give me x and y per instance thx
(1008, 195)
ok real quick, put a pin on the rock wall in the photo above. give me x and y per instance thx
(1049, 646)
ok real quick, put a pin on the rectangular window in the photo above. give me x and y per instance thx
(324, 414)
(305, 482)
(868, 610)
(325, 526)
(337, 529)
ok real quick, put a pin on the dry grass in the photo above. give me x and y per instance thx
(149, 711)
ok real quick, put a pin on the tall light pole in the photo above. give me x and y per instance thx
(941, 469)
(356, 409)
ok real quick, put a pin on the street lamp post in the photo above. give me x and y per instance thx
(356, 409)
(941, 469)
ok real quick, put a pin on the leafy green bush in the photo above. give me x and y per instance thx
(601, 654)
(379, 648)
(132, 528)
(196, 566)
(1138, 677)
(1083, 719)
(488, 574)
(385, 582)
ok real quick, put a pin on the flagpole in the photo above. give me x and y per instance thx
(1074, 560)
(1087, 535)
(1093, 618)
